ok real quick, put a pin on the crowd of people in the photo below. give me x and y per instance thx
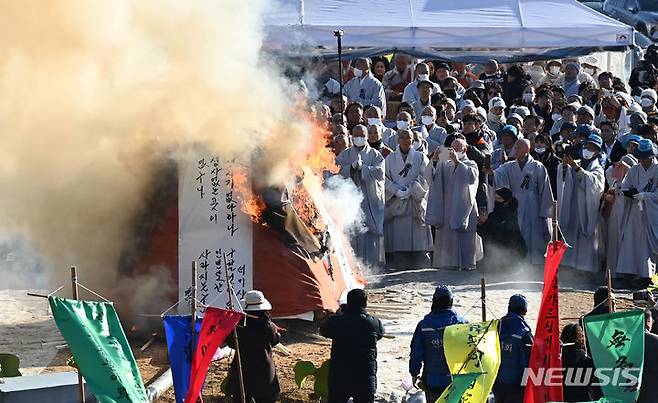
(472, 158)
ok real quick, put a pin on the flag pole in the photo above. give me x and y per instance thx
(74, 290)
(610, 304)
(194, 305)
(229, 290)
(483, 297)
(555, 225)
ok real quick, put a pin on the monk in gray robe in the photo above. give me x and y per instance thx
(579, 189)
(452, 210)
(365, 167)
(373, 116)
(528, 180)
(638, 248)
(365, 88)
(434, 134)
(404, 121)
(407, 171)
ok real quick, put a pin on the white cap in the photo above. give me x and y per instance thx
(591, 60)
(522, 111)
(496, 101)
(649, 93)
(482, 112)
(255, 301)
(467, 102)
(451, 102)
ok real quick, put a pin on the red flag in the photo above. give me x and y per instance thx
(217, 324)
(546, 351)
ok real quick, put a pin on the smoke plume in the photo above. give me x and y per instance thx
(95, 95)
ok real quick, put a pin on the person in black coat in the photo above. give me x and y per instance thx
(256, 340)
(574, 356)
(650, 370)
(544, 153)
(353, 362)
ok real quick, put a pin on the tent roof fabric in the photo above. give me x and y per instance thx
(456, 24)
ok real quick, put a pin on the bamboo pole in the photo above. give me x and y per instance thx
(611, 306)
(229, 290)
(483, 297)
(74, 290)
(554, 237)
(194, 305)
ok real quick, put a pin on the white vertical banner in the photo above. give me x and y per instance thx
(211, 223)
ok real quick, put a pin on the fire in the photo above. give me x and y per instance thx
(252, 204)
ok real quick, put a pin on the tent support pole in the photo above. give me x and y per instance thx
(339, 38)
(74, 289)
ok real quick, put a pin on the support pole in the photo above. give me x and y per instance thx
(194, 305)
(74, 291)
(483, 298)
(554, 237)
(611, 306)
(229, 290)
(339, 38)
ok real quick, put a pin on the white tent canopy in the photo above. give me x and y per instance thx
(442, 24)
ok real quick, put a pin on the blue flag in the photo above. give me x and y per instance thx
(179, 346)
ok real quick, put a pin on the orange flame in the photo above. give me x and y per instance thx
(252, 204)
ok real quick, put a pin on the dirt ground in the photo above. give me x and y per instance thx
(400, 299)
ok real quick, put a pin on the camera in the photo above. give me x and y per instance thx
(563, 147)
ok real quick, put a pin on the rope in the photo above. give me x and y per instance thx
(93, 292)
(62, 286)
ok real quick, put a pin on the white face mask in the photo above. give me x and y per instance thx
(556, 117)
(427, 120)
(528, 97)
(646, 102)
(588, 71)
(459, 154)
(540, 150)
(402, 124)
(423, 77)
(555, 70)
(374, 121)
(588, 154)
(358, 72)
(359, 141)
(493, 117)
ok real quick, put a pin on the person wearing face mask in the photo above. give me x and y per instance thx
(450, 109)
(589, 71)
(452, 89)
(505, 150)
(569, 80)
(407, 237)
(396, 80)
(375, 141)
(528, 180)
(493, 74)
(434, 135)
(479, 151)
(648, 100)
(365, 167)
(424, 99)
(373, 116)
(528, 97)
(542, 151)
(452, 209)
(364, 87)
(419, 143)
(612, 209)
(422, 73)
(585, 116)
(638, 247)
(553, 72)
(403, 122)
(580, 185)
(496, 115)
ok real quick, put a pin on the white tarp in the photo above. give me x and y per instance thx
(444, 24)
(212, 224)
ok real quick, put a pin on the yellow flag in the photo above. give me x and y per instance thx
(472, 348)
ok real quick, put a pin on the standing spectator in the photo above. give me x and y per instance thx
(569, 80)
(340, 140)
(515, 343)
(492, 74)
(411, 94)
(354, 115)
(638, 242)
(380, 66)
(515, 83)
(373, 116)
(424, 98)
(463, 75)
(452, 209)
(403, 122)
(335, 104)
(396, 79)
(574, 357)
(543, 152)
(644, 75)
(532, 126)
(257, 338)
(375, 141)
(365, 167)
(427, 345)
(505, 150)
(544, 108)
(613, 110)
(442, 71)
(648, 99)
(580, 186)
(433, 133)
(528, 180)
(405, 230)
(353, 363)
(650, 370)
(496, 114)
(553, 72)
(364, 87)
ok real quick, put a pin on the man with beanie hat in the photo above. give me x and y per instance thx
(648, 99)
(569, 81)
(427, 345)
(515, 344)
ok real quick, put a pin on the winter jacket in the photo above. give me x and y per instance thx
(515, 344)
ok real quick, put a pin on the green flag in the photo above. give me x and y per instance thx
(98, 343)
(617, 344)
(455, 391)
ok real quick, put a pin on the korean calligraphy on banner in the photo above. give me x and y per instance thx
(546, 349)
(211, 224)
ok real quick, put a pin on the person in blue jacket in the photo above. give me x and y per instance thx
(427, 345)
(515, 344)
